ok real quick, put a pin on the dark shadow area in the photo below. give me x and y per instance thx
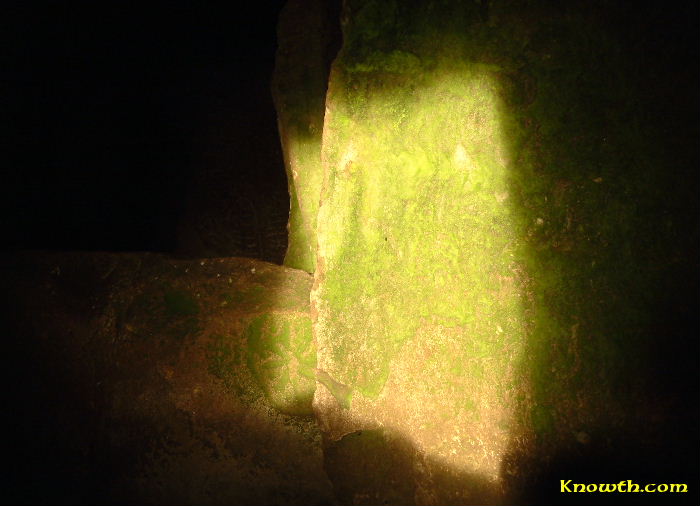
(376, 467)
(141, 128)
(606, 187)
(126, 384)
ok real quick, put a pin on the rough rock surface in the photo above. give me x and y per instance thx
(137, 378)
(308, 37)
(489, 303)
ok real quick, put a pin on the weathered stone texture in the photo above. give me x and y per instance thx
(484, 276)
(307, 42)
(144, 379)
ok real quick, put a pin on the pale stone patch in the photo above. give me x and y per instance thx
(461, 159)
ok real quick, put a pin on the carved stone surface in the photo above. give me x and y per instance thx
(138, 379)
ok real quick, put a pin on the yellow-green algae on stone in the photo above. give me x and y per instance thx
(492, 272)
(282, 358)
(418, 292)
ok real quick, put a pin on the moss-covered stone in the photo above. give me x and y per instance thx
(489, 262)
(418, 295)
(282, 358)
(307, 41)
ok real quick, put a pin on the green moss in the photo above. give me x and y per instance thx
(398, 62)
(416, 222)
(299, 88)
(180, 303)
(282, 359)
(496, 181)
(301, 252)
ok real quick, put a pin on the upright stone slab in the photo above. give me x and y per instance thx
(307, 38)
(474, 236)
(418, 295)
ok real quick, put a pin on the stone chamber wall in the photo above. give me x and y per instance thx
(490, 282)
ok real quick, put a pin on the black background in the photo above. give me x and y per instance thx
(105, 107)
